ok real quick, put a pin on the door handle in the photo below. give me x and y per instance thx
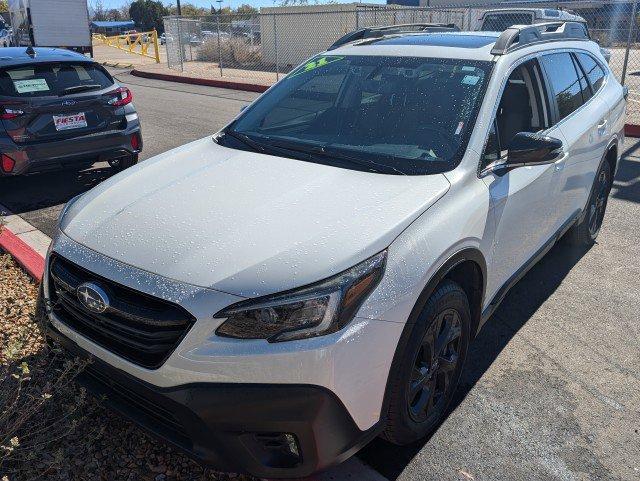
(602, 126)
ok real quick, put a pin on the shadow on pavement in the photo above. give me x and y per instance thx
(38, 191)
(626, 185)
(524, 299)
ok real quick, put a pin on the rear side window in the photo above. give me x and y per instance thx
(594, 71)
(52, 79)
(584, 85)
(565, 82)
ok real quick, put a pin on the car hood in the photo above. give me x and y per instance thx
(246, 223)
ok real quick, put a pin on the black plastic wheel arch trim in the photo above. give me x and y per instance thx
(467, 254)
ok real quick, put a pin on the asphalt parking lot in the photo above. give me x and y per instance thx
(551, 389)
(171, 115)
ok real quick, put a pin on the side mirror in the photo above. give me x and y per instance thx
(532, 149)
(527, 149)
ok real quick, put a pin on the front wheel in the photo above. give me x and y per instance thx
(426, 379)
(123, 162)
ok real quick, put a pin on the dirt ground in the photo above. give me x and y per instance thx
(49, 428)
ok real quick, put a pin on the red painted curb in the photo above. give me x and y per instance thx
(225, 84)
(631, 130)
(28, 258)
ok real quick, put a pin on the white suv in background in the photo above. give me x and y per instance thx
(274, 297)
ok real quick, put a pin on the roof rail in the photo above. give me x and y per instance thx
(379, 32)
(519, 36)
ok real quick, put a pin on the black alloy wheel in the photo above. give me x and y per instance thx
(424, 379)
(435, 366)
(598, 203)
(585, 232)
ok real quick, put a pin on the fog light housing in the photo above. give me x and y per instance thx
(275, 450)
(7, 163)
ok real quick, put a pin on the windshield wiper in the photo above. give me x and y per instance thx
(80, 88)
(309, 152)
(246, 140)
(319, 150)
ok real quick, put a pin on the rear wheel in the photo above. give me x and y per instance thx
(586, 232)
(424, 383)
(123, 162)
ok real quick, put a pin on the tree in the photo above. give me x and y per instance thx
(246, 11)
(289, 3)
(124, 11)
(99, 13)
(189, 10)
(4, 7)
(147, 14)
(115, 15)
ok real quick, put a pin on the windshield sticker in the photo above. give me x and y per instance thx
(470, 79)
(314, 64)
(468, 68)
(31, 85)
(459, 129)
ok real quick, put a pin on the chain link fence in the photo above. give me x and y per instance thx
(262, 48)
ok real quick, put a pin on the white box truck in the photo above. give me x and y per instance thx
(51, 23)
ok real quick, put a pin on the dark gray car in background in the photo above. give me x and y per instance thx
(60, 109)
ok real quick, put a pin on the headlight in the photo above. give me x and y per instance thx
(315, 310)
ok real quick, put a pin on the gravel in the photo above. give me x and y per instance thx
(49, 428)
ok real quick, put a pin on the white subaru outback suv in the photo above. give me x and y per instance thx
(274, 297)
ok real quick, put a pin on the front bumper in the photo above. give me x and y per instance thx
(274, 431)
(228, 402)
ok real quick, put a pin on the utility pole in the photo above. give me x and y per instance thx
(179, 8)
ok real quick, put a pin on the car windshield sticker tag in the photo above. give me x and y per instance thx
(314, 64)
(31, 85)
(459, 129)
(470, 79)
(468, 68)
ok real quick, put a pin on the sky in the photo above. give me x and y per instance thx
(232, 3)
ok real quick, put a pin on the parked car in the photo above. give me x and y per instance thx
(163, 38)
(339, 244)
(5, 38)
(131, 36)
(60, 109)
(500, 19)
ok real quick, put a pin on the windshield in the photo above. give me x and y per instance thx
(497, 22)
(410, 115)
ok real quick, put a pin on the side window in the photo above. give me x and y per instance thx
(564, 79)
(584, 85)
(522, 108)
(594, 71)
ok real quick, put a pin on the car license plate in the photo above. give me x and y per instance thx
(67, 122)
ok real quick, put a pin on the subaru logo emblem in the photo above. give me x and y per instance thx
(69, 102)
(92, 297)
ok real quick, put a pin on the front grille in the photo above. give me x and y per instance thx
(140, 328)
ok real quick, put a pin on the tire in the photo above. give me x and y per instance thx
(123, 162)
(586, 231)
(423, 384)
